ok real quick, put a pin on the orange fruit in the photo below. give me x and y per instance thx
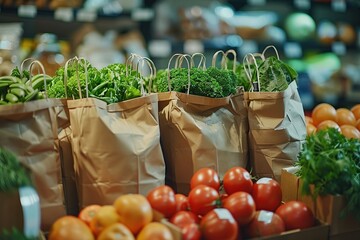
(70, 228)
(116, 231)
(357, 125)
(104, 217)
(134, 211)
(88, 213)
(308, 119)
(350, 131)
(310, 128)
(322, 112)
(326, 124)
(345, 117)
(155, 230)
(356, 111)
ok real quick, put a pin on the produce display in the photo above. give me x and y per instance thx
(238, 205)
(207, 212)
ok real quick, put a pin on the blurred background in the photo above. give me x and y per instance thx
(319, 38)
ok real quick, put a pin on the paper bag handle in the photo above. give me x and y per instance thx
(270, 47)
(202, 61)
(129, 63)
(152, 68)
(39, 64)
(178, 63)
(222, 62)
(246, 64)
(23, 63)
(233, 52)
(66, 73)
(77, 60)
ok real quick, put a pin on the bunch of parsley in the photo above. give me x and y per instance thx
(331, 163)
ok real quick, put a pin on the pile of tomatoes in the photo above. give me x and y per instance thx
(346, 120)
(236, 207)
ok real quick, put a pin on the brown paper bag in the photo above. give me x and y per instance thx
(116, 148)
(30, 130)
(199, 132)
(276, 130)
(68, 172)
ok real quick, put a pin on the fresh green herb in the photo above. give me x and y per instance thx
(12, 173)
(201, 83)
(242, 79)
(75, 74)
(331, 163)
(274, 75)
(110, 84)
(226, 79)
(15, 72)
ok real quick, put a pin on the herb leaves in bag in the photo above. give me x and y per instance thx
(201, 83)
(274, 75)
(331, 163)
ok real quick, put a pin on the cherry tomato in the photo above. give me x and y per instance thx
(183, 218)
(242, 207)
(219, 224)
(162, 199)
(182, 202)
(265, 223)
(205, 176)
(203, 199)
(296, 215)
(237, 179)
(267, 194)
(191, 232)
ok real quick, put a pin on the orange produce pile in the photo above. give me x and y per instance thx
(324, 115)
(130, 217)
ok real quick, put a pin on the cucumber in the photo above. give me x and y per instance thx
(4, 84)
(18, 85)
(9, 79)
(39, 83)
(11, 98)
(20, 93)
(31, 96)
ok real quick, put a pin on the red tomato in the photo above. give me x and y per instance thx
(183, 218)
(242, 207)
(237, 179)
(205, 176)
(296, 215)
(203, 199)
(265, 223)
(182, 202)
(219, 224)
(267, 194)
(162, 199)
(191, 232)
